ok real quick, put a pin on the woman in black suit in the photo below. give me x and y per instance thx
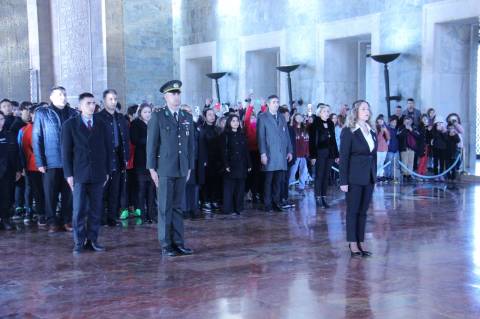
(358, 171)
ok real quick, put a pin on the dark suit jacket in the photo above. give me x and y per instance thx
(86, 153)
(170, 145)
(358, 166)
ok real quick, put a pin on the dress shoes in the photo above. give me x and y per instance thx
(93, 246)
(169, 251)
(68, 227)
(182, 250)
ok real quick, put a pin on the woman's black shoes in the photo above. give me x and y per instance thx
(354, 254)
(365, 253)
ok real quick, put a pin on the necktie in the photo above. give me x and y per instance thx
(175, 115)
(89, 124)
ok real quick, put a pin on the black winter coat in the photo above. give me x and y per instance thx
(235, 155)
(322, 140)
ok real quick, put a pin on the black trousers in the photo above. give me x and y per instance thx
(129, 189)
(284, 187)
(35, 181)
(191, 198)
(23, 193)
(6, 195)
(145, 194)
(211, 190)
(112, 195)
(233, 194)
(54, 184)
(254, 179)
(358, 200)
(87, 211)
(439, 161)
(170, 193)
(272, 188)
(322, 172)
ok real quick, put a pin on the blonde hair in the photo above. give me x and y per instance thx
(352, 116)
(320, 108)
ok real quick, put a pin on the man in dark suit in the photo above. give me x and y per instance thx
(86, 152)
(170, 159)
(275, 152)
(120, 140)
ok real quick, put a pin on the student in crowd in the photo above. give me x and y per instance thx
(439, 147)
(254, 179)
(392, 170)
(423, 147)
(452, 139)
(145, 201)
(283, 110)
(383, 139)
(210, 165)
(323, 152)
(10, 171)
(236, 165)
(302, 140)
(407, 138)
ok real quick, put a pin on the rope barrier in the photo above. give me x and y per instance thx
(430, 176)
(416, 174)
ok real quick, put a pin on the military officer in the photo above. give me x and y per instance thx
(170, 158)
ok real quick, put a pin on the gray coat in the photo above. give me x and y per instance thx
(274, 141)
(170, 145)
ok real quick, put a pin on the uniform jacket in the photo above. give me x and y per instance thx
(358, 165)
(170, 144)
(273, 140)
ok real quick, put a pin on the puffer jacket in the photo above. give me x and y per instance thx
(46, 136)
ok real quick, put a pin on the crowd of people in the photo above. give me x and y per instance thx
(259, 153)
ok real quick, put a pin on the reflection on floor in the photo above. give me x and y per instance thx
(426, 264)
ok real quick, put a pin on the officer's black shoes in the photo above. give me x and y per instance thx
(169, 251)
(77, 250)
(216, 206)
(184, 251)
(93, 246)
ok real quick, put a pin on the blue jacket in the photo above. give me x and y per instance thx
(46, 136)
(393, 144)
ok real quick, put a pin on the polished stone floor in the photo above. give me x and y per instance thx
(426, 240)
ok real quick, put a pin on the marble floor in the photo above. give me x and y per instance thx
(426, 264)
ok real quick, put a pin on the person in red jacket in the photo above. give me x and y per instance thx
(254, 180)
(33, 175)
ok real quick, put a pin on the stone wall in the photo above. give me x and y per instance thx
(14, 56)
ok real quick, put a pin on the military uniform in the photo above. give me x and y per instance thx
(170, 151)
